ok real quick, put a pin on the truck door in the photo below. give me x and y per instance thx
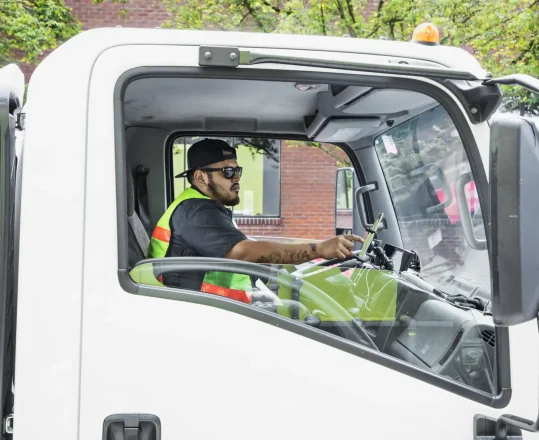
(162, 363)
(11, 95)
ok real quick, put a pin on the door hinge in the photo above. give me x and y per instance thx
(8, 424)
(9, 420)
(20, 121)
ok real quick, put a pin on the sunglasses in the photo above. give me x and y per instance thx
(227, 171)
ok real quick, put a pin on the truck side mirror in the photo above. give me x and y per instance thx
(344, 200)
(514, 213)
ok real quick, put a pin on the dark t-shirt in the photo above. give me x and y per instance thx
(202, 228)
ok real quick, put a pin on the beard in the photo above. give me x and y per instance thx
(226, 196)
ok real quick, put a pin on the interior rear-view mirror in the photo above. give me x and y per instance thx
(514, 213)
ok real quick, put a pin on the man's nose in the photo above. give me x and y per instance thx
(236, 177)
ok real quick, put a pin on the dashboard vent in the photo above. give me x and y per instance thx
(489, 337)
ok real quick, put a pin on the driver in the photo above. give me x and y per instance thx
(198, 223)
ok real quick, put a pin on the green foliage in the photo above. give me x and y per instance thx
(502, 35)
(31, 27)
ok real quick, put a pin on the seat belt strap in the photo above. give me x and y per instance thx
(138, 231)
(141, 196)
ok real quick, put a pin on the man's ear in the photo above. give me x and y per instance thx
(199, 177)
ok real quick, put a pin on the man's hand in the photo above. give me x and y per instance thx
(338, 247)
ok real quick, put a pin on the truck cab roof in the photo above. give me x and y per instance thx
(89, 44)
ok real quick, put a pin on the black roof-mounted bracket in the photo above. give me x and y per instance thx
(518, 79)
(221, 56)
(209, 56)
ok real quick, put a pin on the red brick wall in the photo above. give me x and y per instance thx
(307, 196)
(141, 13)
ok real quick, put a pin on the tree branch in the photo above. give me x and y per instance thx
(503, 22)
(323, 19)
(526, 51)
(377, 25)
(276, 8)
(446, 38)
(343, 17)
(244, 17)
(351, 11)
(392, 28)
(380, 6)
(246, 4)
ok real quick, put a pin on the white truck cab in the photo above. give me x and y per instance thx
(430, 330)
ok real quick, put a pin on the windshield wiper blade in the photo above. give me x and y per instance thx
(474, 303)
(458, 300)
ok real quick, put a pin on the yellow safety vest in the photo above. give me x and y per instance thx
(227, 284)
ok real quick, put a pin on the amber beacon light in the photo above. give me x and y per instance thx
(426, 33)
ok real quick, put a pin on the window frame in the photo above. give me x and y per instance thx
(9, 213)
(441, 93)
(169, 166)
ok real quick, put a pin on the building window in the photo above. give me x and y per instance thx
(260, 188)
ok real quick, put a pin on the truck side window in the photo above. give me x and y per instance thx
(364, 306)
(287, 187)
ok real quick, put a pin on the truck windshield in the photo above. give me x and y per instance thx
(422, 160)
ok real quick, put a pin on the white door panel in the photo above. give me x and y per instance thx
(207, 372)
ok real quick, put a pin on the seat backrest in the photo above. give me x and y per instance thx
(138, 239)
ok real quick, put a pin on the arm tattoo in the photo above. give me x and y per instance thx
(289, 256)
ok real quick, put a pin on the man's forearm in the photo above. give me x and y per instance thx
(273, 253)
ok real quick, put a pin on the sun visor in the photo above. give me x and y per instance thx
(331, 124)
(346, 129)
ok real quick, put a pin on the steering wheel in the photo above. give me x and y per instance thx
(172, 264)
(337, 260)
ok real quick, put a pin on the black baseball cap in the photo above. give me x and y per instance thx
(206, 152)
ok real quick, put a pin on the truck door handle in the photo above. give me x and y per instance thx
(465, 216)
(132, 427)
(361, 207)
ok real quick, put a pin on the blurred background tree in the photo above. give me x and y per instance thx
(502, 35)
(28, 28)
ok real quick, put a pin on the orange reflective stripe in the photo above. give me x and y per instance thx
(239, 295)
(162, 234)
